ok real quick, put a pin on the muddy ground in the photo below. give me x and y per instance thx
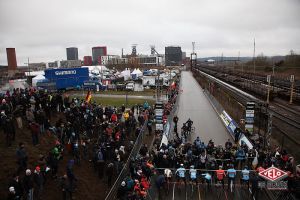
(89, 186)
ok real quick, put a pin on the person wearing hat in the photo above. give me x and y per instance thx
(12, 194)
(109, 172)
(17, 185)
(39, 181)
(8, 129)
(28, 184)
(122, 191)
(66, 187)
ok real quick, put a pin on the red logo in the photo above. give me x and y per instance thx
(273, 174)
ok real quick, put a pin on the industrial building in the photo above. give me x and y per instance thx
(72, 53)
(87, 61)
(109, 59)
(37, 66)
(97, 52)
(173, 56)
(54, 64)
(147, 61)
(70, 63)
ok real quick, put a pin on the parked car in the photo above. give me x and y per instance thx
(130, 86)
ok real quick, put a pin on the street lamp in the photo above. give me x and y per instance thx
(28, 66)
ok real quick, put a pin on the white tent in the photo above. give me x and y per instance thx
(101, 68)
(97, 70)
(136, 73)
(12, 84)
(37, 79)
(126, 74)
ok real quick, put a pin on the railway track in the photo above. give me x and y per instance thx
(281, 85)
(285, 118)
(291, 110)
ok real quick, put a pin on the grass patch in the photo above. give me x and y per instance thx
(149, 92)
(112, 101)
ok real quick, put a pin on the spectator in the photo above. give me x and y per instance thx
(21, 157)
(28, 185)
(39, 182)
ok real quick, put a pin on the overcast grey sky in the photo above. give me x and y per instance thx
(41, 30)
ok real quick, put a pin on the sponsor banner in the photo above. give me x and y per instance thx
(159, 127)
(67, 72)
(249, 111)
(225, 118)
(159, 106)
(159, 112)
(249, 120)
(159, 121)
(250, 105)
(231, 127)
(246, 141)
(249, 115)
(229, 122)
(158, 118)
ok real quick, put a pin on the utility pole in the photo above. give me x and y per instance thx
(28, 66)
(254, 57)
(193, 57)
(292, 79)
(269, 81)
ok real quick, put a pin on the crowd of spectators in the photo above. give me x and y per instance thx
(207, 158)
(103, 135)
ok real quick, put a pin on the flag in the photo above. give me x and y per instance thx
(88, 96)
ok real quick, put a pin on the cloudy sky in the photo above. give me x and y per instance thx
(41, 30)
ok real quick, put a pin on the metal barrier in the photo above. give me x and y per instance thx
(125, 171)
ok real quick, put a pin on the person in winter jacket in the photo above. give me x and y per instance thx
(12, 194)
(39, 182)
(21, 157)
(28, 185)
(17, 185)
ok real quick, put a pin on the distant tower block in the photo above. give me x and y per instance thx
(134, 50)
(11, 58)
(152, 49)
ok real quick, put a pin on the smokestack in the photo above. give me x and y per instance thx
(11, 58)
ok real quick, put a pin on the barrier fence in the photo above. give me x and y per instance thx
(125, 171)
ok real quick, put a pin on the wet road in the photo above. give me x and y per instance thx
(193, 104)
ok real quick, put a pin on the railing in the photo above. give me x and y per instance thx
(125, 171)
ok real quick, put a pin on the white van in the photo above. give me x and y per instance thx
(130, 86)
